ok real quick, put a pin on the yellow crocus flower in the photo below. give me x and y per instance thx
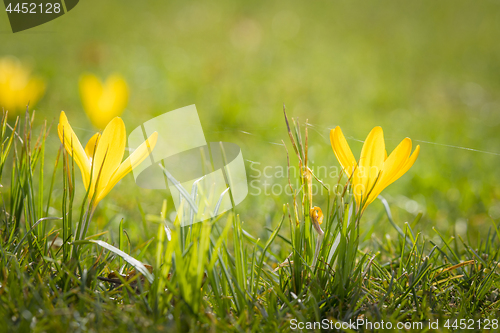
(103, 101)
(17, 86)
(375, 170)
(101, 161)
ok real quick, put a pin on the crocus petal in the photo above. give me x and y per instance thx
(109, 152)
(371, 163)
(117, 87)
(17, 86)
(376, 170)
(408, 164)
(103, 102)
(139, 155)
(90, 92)
(342, 150)
(74, 147)
(392, 165)
(396, 160)
(112, 101)
(373, 151)
(92, 145)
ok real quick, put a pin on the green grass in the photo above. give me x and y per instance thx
(215, 275)
(425, 70)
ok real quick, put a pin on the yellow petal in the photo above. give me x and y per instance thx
(139, 155)
(118, 88)
(373, 151)
(109, 152)
(113, 99)
(103, 102)
(90, 93)
(397, 159)
(74, 147)
(92, 145)
(398, 171)
(371, 162)
(392, 165)
(317, 214)
(408, 164)
(342, 150)
(17, 86)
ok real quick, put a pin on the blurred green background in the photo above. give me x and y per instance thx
(427, 70)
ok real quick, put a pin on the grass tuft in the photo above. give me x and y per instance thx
(215, 275)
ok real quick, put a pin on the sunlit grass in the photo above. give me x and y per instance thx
(216, 275)
(424, 70)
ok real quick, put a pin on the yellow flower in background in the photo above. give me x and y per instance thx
(101, 161)
(103, 101)
(17, 86)
(375, 170)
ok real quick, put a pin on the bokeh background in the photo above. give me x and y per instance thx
(427, 70)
